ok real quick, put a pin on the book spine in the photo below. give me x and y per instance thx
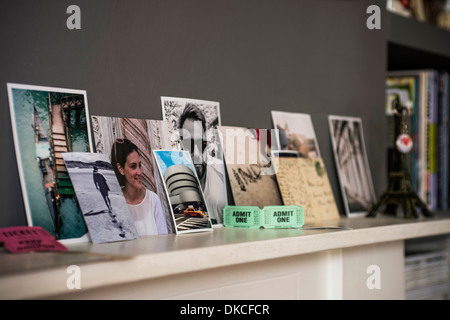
(422, 145)
(443, 142)
(432, 194)
(414, 134)
(447, 107)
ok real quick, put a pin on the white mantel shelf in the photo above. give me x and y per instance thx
(44, 274)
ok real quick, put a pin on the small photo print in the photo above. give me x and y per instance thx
(128, 142)
(100, 196)
(46, 122)
(296, 133)
(249, 166)
(190, 212)
(352, 164)
(192, 127)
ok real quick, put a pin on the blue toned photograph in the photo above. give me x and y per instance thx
(47, 122)
(189, 210)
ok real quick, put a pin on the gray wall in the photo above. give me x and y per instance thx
(253, 56)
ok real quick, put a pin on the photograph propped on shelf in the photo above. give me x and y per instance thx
(250, 171)
(121, 139)
(190, 211)
(352, 164)
(296, 133)
(100, 197)
(192, 124)
(304, 182)
(46, 122)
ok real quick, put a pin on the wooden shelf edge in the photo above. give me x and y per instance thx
(158, 257)
(418, 35)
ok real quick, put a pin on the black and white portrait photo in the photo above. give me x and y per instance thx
(193, 124)
(352, 164)
(100, 196)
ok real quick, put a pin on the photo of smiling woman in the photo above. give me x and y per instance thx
(145, 206)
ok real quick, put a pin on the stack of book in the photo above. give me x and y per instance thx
(427, 276)
(426, 94)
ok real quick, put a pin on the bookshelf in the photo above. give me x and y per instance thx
(411, 45)
(424, 41)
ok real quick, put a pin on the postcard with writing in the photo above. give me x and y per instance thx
(247, 159)
(304, 182)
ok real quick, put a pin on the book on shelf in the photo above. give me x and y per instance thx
(427, 275)
(443, 143)
(431, 140)
(425, 93)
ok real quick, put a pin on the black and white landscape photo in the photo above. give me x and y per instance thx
(100, 197)
(352, 165)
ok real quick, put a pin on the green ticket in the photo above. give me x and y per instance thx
(241, 217)
(268, 217)
(283, 216)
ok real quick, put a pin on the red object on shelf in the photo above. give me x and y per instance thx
(406, 3)
(27, 239)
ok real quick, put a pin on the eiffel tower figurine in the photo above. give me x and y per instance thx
(400, 191)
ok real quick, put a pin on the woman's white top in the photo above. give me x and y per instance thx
(148, 215)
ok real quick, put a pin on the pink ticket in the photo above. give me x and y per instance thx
(26, 239)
